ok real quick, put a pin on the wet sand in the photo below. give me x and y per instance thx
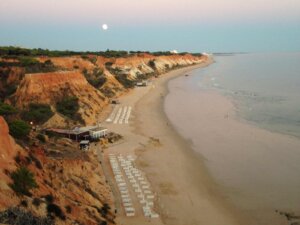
(185, 192)
(256, 170)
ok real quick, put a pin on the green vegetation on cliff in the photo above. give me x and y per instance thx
(6, 109)
(19, 129)
(11, 51)
(18, 216)
(95, 78)
(23, 181)
(37, 113)
(68, 106)
(30, 64)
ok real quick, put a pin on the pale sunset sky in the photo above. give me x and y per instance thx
(185, 25)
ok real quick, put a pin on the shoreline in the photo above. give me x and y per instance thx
(203, 204)
(186, 193)
(255, 168)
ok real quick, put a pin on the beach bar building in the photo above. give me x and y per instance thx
(97, 132)
(80, 133)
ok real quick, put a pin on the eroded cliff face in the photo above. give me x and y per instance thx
(50, 87)
(73, 178)
(76, 70)
(8, 150)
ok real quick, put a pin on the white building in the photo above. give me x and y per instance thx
(98, 132)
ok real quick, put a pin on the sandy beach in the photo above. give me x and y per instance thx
(185, 193)
(256, 169)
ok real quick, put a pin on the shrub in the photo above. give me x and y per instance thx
(41, 137)
(108, 64)
(97, 72)
(92, 59)
(10, 89)
(38, 113)
(113, 54)
(19, 128)
(23, 181)
(17, 216)
(28, 61)
(122, 78)
(107, 92)
(96, 78)
(104, 210)
(98, 82)
(56, 210)
(36, 202)
(68, 106)
(48, 62)
(49, 198)
(151, 63)
(6, 109)
(37, 162)
(32, 65)
(68, 208)
(85, 71)
(24, 203)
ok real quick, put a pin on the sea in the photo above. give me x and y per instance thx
(265, 88)
(265, 91)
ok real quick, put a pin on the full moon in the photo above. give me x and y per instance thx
(104, 27)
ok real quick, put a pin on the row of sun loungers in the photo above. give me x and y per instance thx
(112, 115)
(120, 115)
(122, 186)
(138, 183)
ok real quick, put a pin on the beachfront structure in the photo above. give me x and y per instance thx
(80, 133)
(124, 170)
(98, 132)
(74, 134)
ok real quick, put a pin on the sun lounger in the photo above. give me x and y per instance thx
(143, 201)
(141, 196)
(149, 203)
(128, 204)
(150, 196)
(123, 188)
(126, 200)
(154, 215)
(130, 214)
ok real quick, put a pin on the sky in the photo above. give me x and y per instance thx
(152, 25)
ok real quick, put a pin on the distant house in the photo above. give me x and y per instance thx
(143, 83)
(80, 133)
